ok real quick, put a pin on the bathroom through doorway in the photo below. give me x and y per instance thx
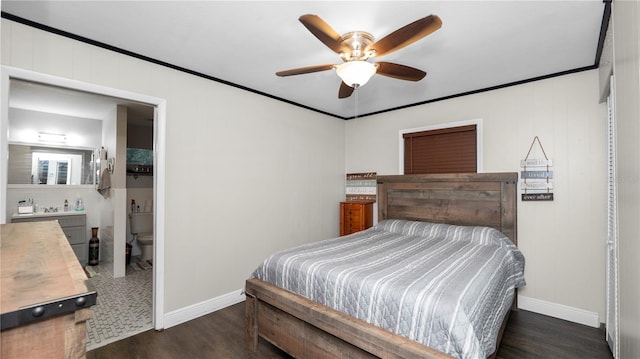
(120, 213)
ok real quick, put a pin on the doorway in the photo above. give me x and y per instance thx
(159, 117)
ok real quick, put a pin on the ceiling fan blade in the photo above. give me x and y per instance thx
(400, 72)
(323, 31)
(345, 90)
(406, 35)
(305, 70)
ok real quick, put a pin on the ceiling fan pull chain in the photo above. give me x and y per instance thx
(355, 88)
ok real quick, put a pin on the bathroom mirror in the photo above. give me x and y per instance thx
(40, 165)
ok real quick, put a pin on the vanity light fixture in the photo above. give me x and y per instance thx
(52, 137)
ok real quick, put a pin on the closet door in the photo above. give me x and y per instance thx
(612, 235)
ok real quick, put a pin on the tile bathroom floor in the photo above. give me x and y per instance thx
(124, 305)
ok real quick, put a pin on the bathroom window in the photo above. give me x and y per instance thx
(53, 169)
(52, 172)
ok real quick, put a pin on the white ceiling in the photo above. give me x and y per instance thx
(481, 45)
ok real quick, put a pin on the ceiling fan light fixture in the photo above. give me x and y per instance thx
(356, 73)
(356, 47)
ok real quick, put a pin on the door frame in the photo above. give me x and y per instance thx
(159, 143)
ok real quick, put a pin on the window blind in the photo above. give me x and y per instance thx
(447, 150)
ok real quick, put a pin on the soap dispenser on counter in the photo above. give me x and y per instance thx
(79, 204)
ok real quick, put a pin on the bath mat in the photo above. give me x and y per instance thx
(141, 265)
(90, 272)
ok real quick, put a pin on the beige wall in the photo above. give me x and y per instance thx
(245, 175)
(626, 71)
(563, 241)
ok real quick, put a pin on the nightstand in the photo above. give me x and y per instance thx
(355, 216)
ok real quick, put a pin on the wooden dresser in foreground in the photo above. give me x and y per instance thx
(45, 301)
(355, 216)
(73, 224)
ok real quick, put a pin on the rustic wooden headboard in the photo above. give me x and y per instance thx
(472, 199)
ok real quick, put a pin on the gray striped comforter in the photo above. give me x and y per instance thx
(445, 286)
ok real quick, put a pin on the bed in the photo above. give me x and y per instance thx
(327, 320)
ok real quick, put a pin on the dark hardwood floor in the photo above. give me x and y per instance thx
(221, 335)
(532, 335)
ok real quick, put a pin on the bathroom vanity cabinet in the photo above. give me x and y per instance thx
(73, 224)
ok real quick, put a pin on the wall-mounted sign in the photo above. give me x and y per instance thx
(535, 162)
(536, 174)
(536, 185)
(361, 186)
(536, 177)
(537, 197)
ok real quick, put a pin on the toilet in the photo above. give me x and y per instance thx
(141, 224)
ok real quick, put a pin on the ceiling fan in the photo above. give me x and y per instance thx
(357, 46)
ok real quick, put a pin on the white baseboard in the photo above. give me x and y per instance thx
(197, 310)
(539, 306)
(559, 311)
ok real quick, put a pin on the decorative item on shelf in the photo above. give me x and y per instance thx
(536, 177)
(361, 186)
(94, 247)
(139, 162)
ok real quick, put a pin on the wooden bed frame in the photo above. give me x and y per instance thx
(306, 329)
